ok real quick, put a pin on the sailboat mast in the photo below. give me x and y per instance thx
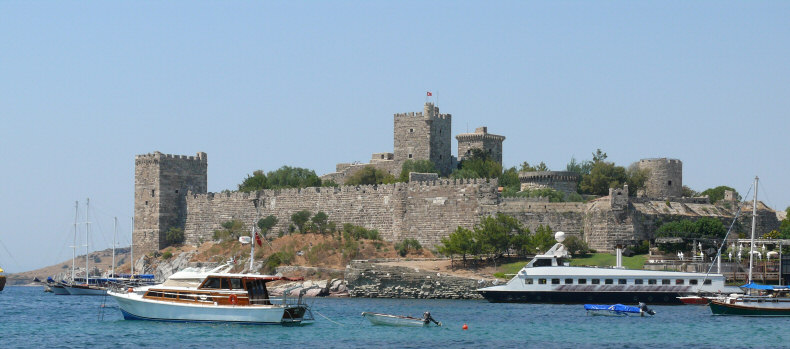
(754, 225)
(87, 233)
(131, 250)
(115, 233)
(74, 247)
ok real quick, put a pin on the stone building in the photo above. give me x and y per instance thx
(665, 178)
(161, 183)
(562, 181)
(480, 139)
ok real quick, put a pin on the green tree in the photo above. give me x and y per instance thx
(407, 245)
(599, 156)
(784, 226)
(329, 183)
(717, 193)
(266, 224)
(542, 167)
(300, 218)
(576, 246)
(461, 241)
(231, 230)
(582, 168)
(525, 167)
(174, 236)
(292, 177)
(369, 175)
(603, 175)
(510, 182)
(636, 178)
(421, 166)
(493, 234)
(521, 242)
(687, 192)
(543, 239)
(254, 183)
(320, 220)
(478, 165)
(703, 228)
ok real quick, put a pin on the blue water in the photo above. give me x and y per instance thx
(32, 318)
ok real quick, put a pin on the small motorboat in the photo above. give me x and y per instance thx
(399, 320)
(618, 310)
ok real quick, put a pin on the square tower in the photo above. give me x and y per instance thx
(423, 136)
(481, 139)
(161, 182)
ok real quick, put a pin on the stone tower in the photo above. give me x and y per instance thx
(423, 136)
(161, 182)
(481, 139)
(665, 178)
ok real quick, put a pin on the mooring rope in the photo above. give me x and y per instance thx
(330, 320)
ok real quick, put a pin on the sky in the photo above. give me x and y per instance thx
(87, 85)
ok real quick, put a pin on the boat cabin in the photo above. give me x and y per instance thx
(231, 289)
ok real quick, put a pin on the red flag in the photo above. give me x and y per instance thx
(258, 239)
(430, 94)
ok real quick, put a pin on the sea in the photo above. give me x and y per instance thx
(31, 318)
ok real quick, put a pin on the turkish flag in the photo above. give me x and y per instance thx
(430, 94)
(258, 239)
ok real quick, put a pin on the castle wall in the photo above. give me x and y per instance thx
(425, 211)
(560, 216)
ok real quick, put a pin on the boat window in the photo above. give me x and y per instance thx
(609, 281)
(582, 281)
(171, 295)
(154, 294)
(542, 263)
(235, 283)
(665, 282)
(652, 281)
(622, 281)
(596, 281)
(555, 281)
(693, 282)
(542, 281)
(211, 283)
(569, 281)
(707, 282)
(679, 282)
(225, 284)
(639, 281)
(528, 281)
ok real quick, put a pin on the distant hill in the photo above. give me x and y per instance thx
(99, 259)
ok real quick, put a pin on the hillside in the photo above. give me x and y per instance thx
(99, 259)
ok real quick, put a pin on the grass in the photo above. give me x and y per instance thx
(609, 260)
(506, 271)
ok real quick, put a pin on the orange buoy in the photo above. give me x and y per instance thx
(233, 299)
(465, 327)
(130, 290)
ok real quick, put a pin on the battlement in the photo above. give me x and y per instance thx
(430, 112)
(565, 176)
(481, 133)
(200, 156)
(661, 160)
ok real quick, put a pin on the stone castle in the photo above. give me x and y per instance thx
(171, 191)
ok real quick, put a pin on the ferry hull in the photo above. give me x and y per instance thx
(750, 309)
(138, 309)
(558, 297)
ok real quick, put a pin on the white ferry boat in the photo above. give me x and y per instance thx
(549, 279)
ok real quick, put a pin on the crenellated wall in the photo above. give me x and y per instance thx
(425, 211)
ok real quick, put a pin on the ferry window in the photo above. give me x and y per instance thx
(211, 283)
(528, 281)
(639, 281)
(555, 281)
(707, 282)
(542, 281)
(569, 281)
(582, 281)
(679, 282)
(652, 281)
(225, 284)
(596, 281)
(609, 281)
(665, 282)
(622, 281)
(235, 283)
(693, 282)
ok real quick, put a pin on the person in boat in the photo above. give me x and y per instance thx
(426, 318)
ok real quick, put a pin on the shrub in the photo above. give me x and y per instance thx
(407, 245)
(174, 236)
(167, 255)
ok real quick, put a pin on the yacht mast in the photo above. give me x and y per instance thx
(131, 250)
(115, 233)
(74, 246)
(754, 224)
(87, 232)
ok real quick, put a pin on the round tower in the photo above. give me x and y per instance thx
(665, 178)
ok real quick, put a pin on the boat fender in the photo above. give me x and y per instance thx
(130, 290)
(233, 299)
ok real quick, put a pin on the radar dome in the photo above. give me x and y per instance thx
(559, 236)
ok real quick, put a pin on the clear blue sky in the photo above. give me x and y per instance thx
(84, 86)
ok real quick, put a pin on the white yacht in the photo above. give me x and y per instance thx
(195, 295)
(549, 279)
